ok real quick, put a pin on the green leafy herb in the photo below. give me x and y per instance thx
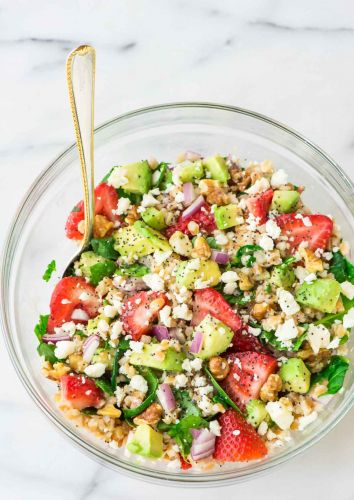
(135, 198)
(91, 410)
(47, 351)
(287, 261)
(134, 270)
(298, 342)
(247, 250)
(270, 338)
(186, 403)
(222, 396)
(100, 270)
(212, 243)
(105, 248)
(237, 298)
(268, 288)
(76, 209)
(105, 178)
(153, 383)
(104, 385)
(49, 271)
(122, 347)
(344, 340)
(165, 177)
(342, 269)
(329, 319)
(161, 170)
(334, 373)
(181, 432)
(41, 327)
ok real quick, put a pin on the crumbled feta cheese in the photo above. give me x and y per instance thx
(160, 257)
(199, 284)
(310, 278)
(136, 346)
(221, 239)
(279, 178)
(307, 420)
(116, 329)
(206, 405)
(110, 311)
(64, 348)
(204, 391)
(347, 289)
(229, 277)
(280, 414)
(334, 344)
(96, 370)
(165, 317)
(182, 312)
(196, 364)
(287, 302)
(215, 428)
(301, 273)
(287, 330)
(263, 427)
(149, 201)
(259, 186)
(69, 327)
(179, 198)
(348, 319)
(118, 177)
(102, 327)
(80, 315)
(138, 383)
(176, 172)
(318, 336)
(120, 395)
(252, 222)
(123, 206)
(180, 381)
(154, 282)
(272, 229)
(254, 331)
(266, 242)
(229, 288)
(199, 381)
(186, 365)
(193, 265)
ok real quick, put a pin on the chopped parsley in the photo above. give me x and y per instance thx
(49, 271)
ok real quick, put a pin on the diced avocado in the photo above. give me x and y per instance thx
(93, 323)
(321, 294)
(295, 376)
(154, 218)
(149, 357)
(133, 178)
(282, 276)
(256, 412)
(228, 216)
(88, 259)
(154, 237)
(216, 337)
(130, 242)
(105, 356)
(189, 271)
(191, 172)
(181, 244)
(285, 201)
(216, 166)
(146, 442)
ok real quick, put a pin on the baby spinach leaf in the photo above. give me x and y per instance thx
(134, 270)
(122, 347)
(342, 269)
(186, 404)
(105, 248)
(212, 243)
(91, 410)
(270, 338)
(49, 271)
(47, 351)
(100, 270)
(245, 250)
(334, 373)
(223, 397)
(181, 432)
(135, 198)
(41, 327)
(104, 385)
(153, 383)
(105, 178)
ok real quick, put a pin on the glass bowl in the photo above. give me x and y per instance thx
(37, 236)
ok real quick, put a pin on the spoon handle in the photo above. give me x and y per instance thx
(80, 74)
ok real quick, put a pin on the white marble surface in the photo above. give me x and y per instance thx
(290, 60)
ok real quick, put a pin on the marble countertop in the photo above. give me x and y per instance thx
(292, 61)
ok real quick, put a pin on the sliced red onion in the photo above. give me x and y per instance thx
(161, 332)
(188, 192)
(194, 207)
(55, 337)
(192, 156)
(203, 445)
(166, 397)
(197, 343)
(80, 315)
(89, 347)
(220, 257)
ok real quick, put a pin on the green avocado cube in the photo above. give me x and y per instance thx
(256, 412)
(133, 178)
(191, 172)
(285, 201)
(217, 168)
(282, 276)
(217, 337)
(129, 242)
(228, 216)
(149, 357)
(154, 218)
(295, 376)
(189, 271)
(146, 442)
(321, 294)
(159, 241)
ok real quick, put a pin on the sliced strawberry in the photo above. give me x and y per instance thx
(248, 372)
(239, 441)
(106, 200)
(80, 391)
(316, 235)
(209, 301)
(184, 464)
(140, 311)
(69, 294)
(204, 218)
(259, 205)
(244, 341)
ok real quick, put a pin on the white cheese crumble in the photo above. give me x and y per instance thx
(179, 198)
(96, 370)
(287, 302)
(154, 282)
(229, 288)
(229, 277)
(254, 331)
(301, 273)
(318, 336)
(160, 257)
(120, 395)
(136, 346)
(123, 206)
(259, 186)
(266, 242)
(287, 330)
(180, 381)
(272, 229)
(138, 383)
(118, 177)
(310, 278)
(263, 427)
(64, 348)
(149, 201)
(348, 319)
(221, 239)
(116, 329)
(102, 327)
(307, 420)
(109, 311)
(334, 344)
(182, 312)
(280, 414)
(347, 289)
(196, 364)
(215, 428)
(279, 178)
(165, 316)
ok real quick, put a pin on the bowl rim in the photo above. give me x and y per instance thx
(101, 456)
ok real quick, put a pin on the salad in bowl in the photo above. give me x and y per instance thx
(209, 320)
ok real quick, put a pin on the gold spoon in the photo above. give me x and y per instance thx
(80, 75)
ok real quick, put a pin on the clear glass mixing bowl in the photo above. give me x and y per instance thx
(37, 236)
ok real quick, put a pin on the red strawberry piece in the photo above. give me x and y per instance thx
(316, 235)
(244, 341)
(204, 218)
(184, 464)
(140, 311)
(209, 301)
(69, 294)
(248, 372)
(239, 441)
(80, 391)
(259, 205)
(106, 200)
